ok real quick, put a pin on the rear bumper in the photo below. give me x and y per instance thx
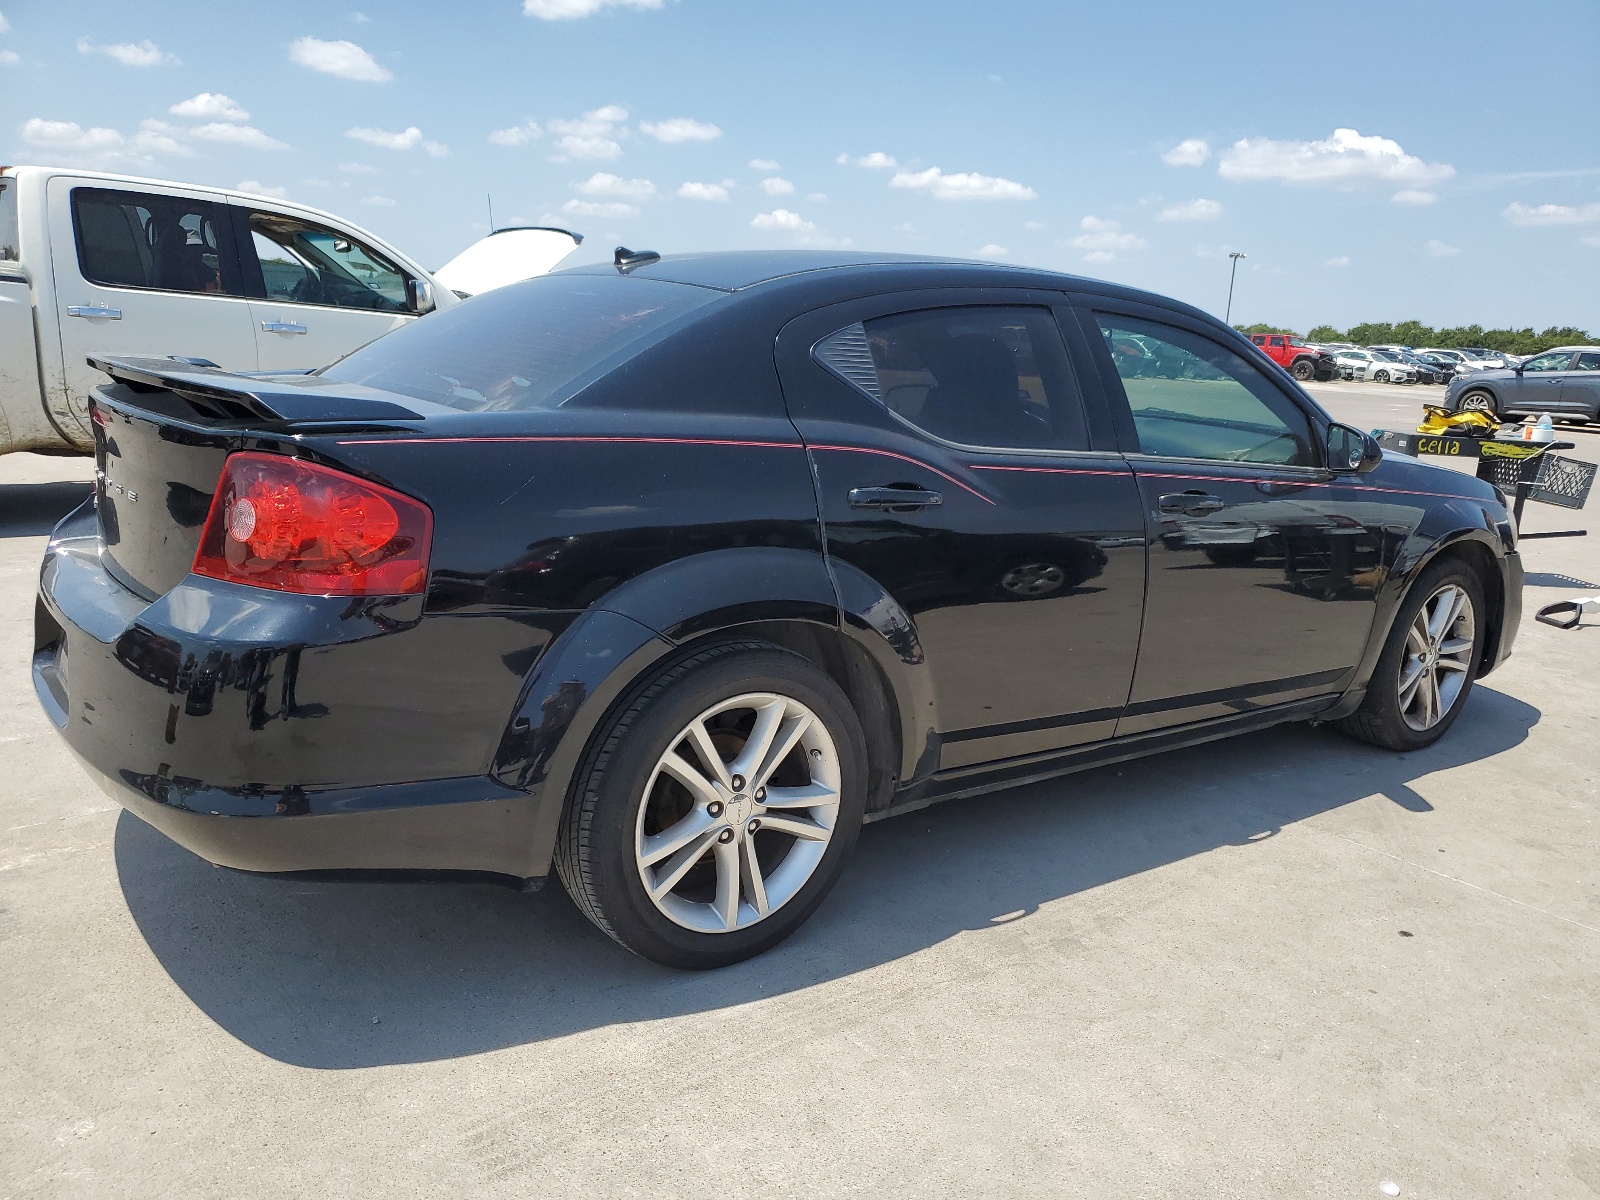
(271, 732)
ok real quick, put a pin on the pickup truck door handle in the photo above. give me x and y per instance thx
(1192, 504)
(281, 327)
(94, 310)
(893, 497)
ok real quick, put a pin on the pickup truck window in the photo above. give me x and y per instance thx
(306, 264)
(8, 222)
(141, 240)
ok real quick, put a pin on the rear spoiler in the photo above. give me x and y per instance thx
(228, 396)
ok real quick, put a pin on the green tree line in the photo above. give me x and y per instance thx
(1415, 333)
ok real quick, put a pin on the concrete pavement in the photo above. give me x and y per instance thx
(1283, 965)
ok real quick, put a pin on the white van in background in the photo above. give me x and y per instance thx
(96, 264)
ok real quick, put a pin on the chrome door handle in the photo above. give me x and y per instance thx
(94, 310)
(1192, 504)
(281, 327)
(894, 497)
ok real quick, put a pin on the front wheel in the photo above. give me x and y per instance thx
(1428, 664)
(1381, 377)
(716, 812)
(1303, 370)
(1476, 402)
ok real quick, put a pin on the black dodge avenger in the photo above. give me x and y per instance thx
(672, 573)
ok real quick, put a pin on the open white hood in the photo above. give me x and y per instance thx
(507, 256)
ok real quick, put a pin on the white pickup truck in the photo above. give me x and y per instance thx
(106, 265)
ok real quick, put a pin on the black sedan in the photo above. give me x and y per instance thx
(670, 574)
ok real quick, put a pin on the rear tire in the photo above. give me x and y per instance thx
(1428, 664)
(690, 863)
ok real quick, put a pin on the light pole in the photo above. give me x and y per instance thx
(1234, 270)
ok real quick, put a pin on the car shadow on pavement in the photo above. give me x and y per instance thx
(349, 974)
(34, 509)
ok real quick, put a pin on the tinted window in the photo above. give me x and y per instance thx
(307, 264)
(8, 222)
(132, 239)
(1194, 398)
(1589, 360)
(979, 376)
(1556, 361)
(525, 346)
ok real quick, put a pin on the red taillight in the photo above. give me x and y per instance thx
(295, 526)
(96, 416)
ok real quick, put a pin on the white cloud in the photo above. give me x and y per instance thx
(571, 10)
(517, 135)
(158, 137)
(436, 149)
(591, 208)
(1191, 210)
(1343, 160)
(704, 191)
(1342, 260)
(9, 58)
(1437, 249)
(103, 146)
(344, 59)
(1519, 213)
(1034, 226)
(602, 184)
(962, 186)
(355, 168)
(764, 164)
(4, 24)
(209, 106)
(782, 219)
(680, 129)
(592, 136)
(876, 161)
(406, 139)
(130, 54)
(991, 251)
(1103, 238)
(777, 187)
(256, 188)
(238, 135)
(380, 201)
(1415, 197)
(69, 135)
(1190, 152)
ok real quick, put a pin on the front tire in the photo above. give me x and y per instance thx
(716, 812)
(1478, 401)
(1428, 664)
(1303, 370)
(1381, 377)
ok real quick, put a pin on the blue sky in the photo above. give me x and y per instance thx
(1138, 142)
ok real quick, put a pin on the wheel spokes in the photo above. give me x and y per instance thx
(769, 717)
(707, 752)
(812, 795)
(669, 841)
(755, 887)
(727, 902)
(805, 830)
(678, 866)
(686, 773)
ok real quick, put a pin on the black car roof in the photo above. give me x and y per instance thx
(739, 270)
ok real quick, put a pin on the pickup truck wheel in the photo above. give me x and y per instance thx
(1380, 377)
(1428, 664)
(1303, 370)
(1476, 402)
(715, 813)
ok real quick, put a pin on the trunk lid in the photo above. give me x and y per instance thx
(162, 431)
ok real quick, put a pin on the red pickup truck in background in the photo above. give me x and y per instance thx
(1294, 356)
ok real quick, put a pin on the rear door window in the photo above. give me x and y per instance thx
(985, 376)
(1192, 397)
(8, 221)
(145, 240)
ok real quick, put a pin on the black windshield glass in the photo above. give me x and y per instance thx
(523, 346)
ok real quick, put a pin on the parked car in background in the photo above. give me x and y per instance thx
(1291, 353)
(1426, 371)
(1564, 382)
(97, 264)
(1481, 358)
(671, 575)
(1375, 366)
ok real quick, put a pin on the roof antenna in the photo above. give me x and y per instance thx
(490, 199)
(626, 260)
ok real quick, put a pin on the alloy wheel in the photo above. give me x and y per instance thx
(1438, 657)
(1475, 402)
(738, 813)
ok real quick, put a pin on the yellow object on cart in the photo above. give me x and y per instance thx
(1441, 421)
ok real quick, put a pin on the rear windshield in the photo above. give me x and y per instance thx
(530, 345)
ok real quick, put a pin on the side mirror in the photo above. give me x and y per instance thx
(1352, 452)
(420, 293)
